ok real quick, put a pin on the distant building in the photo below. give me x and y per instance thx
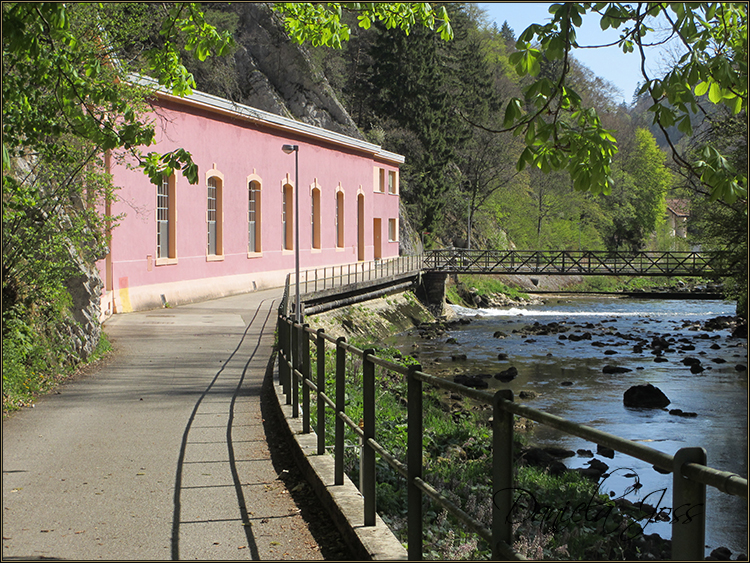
(678, 211)
(233, 232)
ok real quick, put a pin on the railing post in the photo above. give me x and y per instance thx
(502, 473)
(286, 350)
(295, 367)
(289, 337)
(689, 512)
(368, 454)
(306, 371)
(320, 352)
(414, 463)
(338, 462)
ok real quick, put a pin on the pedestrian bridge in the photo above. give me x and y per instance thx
(577, 262)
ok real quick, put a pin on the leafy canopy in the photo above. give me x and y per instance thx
(562, 134)
(62, 75)
(320, 23)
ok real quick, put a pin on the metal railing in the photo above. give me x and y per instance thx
(688, 465)
(319, 279)
(577, 262)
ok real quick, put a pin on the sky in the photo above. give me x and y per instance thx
(622, 70)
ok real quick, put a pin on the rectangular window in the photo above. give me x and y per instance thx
(315, 219)
(253, 217)
(211, 217)
(287, 220)
(392, 230)
(162, 219)
(381, 180)
(166, 220)
(392, 189)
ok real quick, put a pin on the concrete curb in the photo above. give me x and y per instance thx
(344, 503)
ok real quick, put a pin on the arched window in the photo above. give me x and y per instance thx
(287, 217)
(315, 217)
(340, 219)
(215, 216)
(253, 216)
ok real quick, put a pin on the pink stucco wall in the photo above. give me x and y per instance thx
(237, 149)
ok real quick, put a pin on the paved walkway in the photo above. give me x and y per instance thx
(165, 452)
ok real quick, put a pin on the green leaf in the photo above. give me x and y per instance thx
(701, 88)
(714, 93)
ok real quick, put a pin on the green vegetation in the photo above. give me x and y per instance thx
(33, 367)
(457, 459)
(458, 294)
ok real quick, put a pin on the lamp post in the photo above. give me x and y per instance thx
(289, 149)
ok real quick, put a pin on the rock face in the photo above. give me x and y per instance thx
(645, 397)
(85, 291)
(271, 73)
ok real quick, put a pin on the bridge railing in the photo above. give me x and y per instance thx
(691, 475)
(328, 277)
(581, 262)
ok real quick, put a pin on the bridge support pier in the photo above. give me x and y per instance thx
(432, 291)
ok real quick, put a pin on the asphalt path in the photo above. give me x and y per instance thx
(166, 451)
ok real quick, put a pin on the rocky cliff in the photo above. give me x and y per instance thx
(270, 72)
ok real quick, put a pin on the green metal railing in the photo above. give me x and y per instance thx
(688, 465)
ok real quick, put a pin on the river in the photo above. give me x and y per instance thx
(568, 379)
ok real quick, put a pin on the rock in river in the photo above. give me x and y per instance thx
(615, 369)
(471, 381)
(508, 374)
(645, 397)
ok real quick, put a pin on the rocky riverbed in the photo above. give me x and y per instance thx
(572, 363)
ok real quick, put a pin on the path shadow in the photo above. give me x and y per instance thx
(322, 528)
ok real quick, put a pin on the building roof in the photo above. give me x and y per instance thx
(254, 115)
(679, 207)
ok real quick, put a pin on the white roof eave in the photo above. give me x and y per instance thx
(215, 103)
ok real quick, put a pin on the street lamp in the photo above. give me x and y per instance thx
(289, 149)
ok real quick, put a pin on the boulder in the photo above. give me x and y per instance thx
(471, 381)
(721, 554)
(508, 374)
(615, 369)
(559, 452)
(645, 397)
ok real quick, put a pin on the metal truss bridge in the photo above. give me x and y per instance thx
(578, 262)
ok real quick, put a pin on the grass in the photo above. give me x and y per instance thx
(625, 283)
(23, 382)
(482, 285)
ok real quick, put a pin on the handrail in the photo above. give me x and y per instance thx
(688, 465)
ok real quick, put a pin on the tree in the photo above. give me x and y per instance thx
(321, 23)
(562, 133)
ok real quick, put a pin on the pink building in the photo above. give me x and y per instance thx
(233, 232)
